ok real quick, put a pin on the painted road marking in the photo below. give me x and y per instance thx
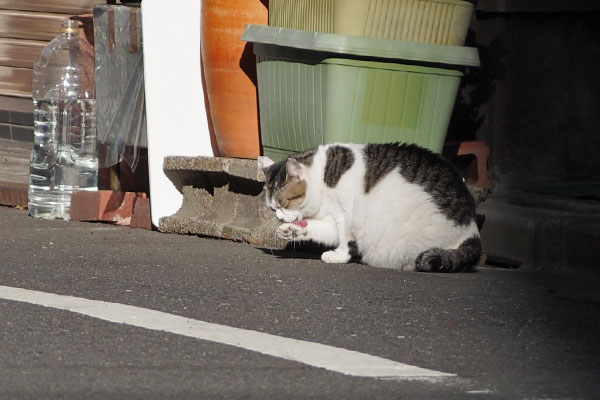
(335, 359)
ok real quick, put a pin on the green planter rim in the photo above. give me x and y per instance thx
(361, 46)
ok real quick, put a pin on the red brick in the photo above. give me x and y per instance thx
(109, 206)
(122, 213)
(141, 214)
(13, 194)
(91, 206)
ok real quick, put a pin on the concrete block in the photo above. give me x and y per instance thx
(543, 232)
(222, 198)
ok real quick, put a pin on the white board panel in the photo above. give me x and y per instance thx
(176, 115)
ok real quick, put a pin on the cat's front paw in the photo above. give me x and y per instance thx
(291, 231)
(336, 256)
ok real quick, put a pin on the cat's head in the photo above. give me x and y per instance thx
(286, 187)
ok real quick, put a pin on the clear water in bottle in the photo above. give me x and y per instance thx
(64, 156)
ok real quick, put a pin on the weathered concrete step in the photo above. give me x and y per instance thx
(222, 198)
(543, 232)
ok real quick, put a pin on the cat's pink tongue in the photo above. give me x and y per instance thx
(301, 222)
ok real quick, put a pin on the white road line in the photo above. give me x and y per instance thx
(335, 359)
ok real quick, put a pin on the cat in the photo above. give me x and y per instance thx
(400, 205)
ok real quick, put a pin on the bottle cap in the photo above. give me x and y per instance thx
(69, 26)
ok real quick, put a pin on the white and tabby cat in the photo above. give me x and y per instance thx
(403, 206)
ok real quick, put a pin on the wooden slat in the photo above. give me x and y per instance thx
(15, 81)
(19, 53)
(29, 25)
(53, 6)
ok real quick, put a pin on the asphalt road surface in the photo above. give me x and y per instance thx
(492, 334)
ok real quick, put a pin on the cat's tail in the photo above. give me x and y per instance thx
(461, 259)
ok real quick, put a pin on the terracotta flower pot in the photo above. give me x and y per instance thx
(230, 73)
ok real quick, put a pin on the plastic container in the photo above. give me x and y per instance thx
(64, 156)
(317, 88)
(427, 21)
(119, 76)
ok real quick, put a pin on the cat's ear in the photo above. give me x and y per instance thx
(265, 163)
(293, 168)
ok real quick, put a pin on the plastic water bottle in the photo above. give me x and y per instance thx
(64, 156)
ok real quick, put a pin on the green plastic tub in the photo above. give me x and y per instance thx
(428, 21)
(317, 88)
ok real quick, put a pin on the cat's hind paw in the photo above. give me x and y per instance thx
(336, 256)
(291, 231)
(430, 261)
